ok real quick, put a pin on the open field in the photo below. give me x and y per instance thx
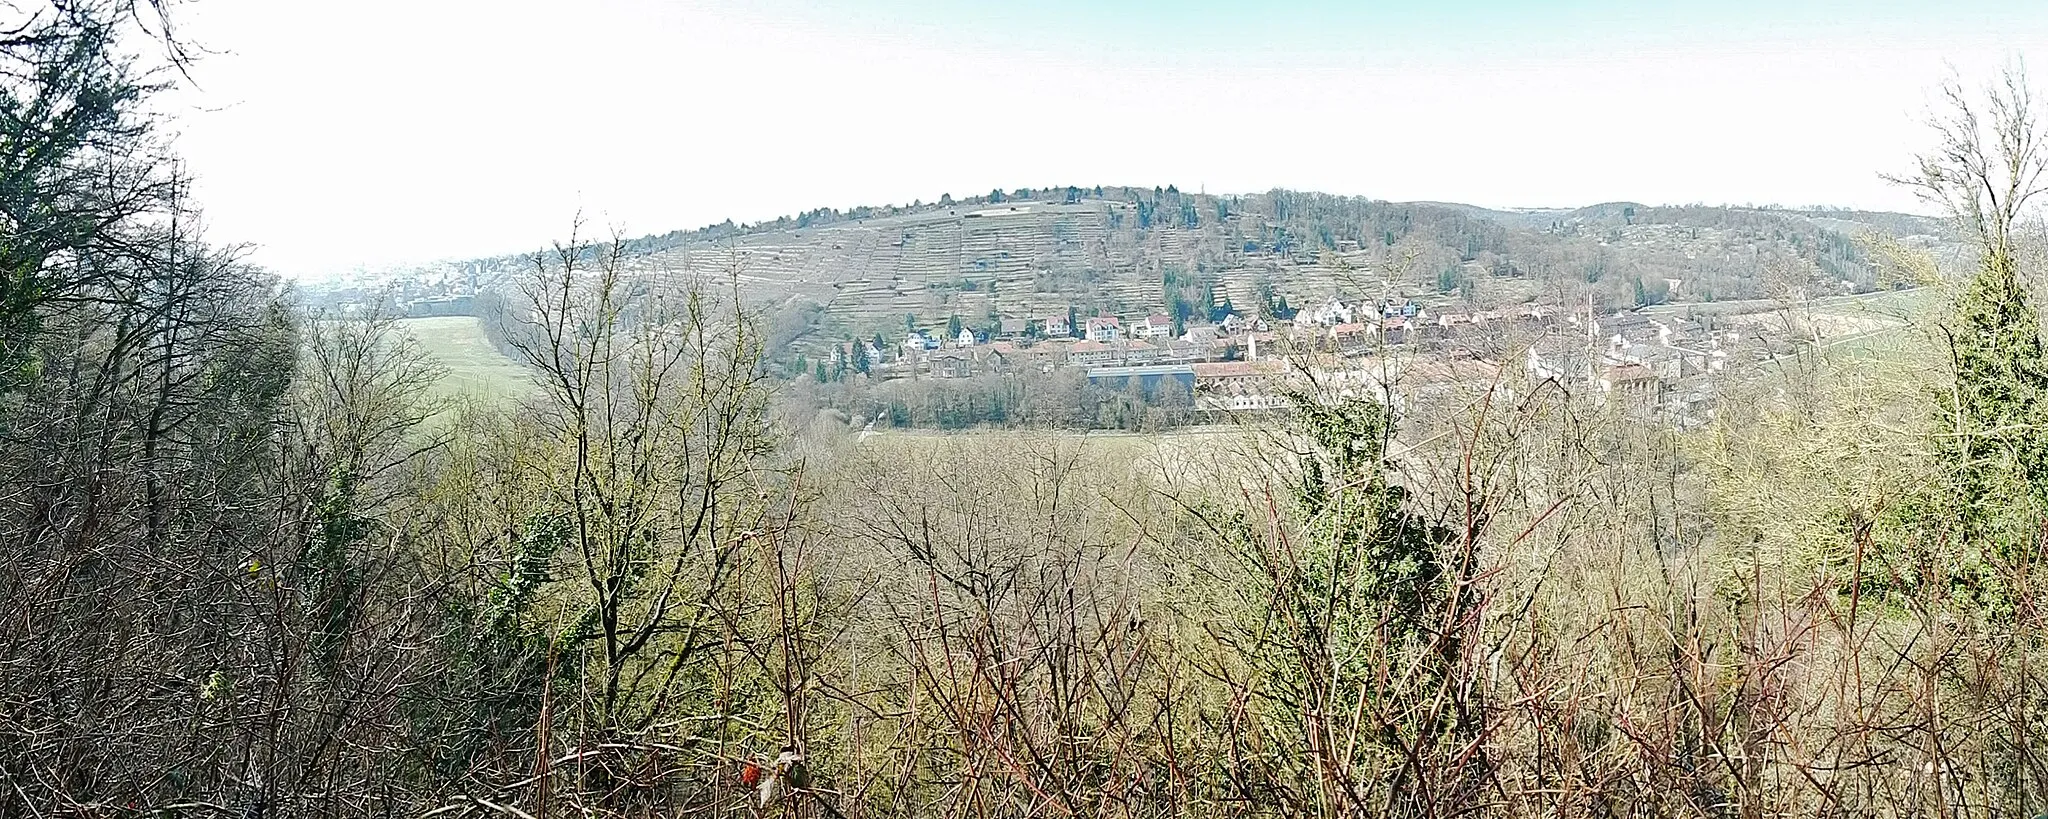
(1899, 305)
(475, 368)
(1889, 326)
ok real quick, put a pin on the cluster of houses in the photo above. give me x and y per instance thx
(1232, 364)
(1357, 325)
(1104, 340)
(1046, 343)
(446, 289)
(1667, 366)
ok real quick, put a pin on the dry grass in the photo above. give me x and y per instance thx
(475, 369)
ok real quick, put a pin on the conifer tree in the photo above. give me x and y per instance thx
(1991, 430)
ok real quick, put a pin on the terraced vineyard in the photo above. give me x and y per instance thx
(1013, 261)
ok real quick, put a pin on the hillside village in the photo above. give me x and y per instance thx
(1666, 365)
(1214, 296)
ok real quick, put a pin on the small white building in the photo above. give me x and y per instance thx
(1328, 314)
(1105, 328)
(1157, 325)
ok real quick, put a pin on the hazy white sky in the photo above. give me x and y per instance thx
(336, 135)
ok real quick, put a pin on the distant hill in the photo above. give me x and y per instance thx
(1131, 251)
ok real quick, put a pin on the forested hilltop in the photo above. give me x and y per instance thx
(257, 565)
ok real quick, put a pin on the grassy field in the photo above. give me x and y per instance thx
(1900, 321)
(1903, 305)
(475, 368)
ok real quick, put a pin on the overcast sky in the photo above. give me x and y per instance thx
(378, 132)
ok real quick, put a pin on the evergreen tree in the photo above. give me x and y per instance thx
(1992, 421)
(1991, 425)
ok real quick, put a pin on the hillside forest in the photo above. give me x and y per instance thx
(255, 565)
